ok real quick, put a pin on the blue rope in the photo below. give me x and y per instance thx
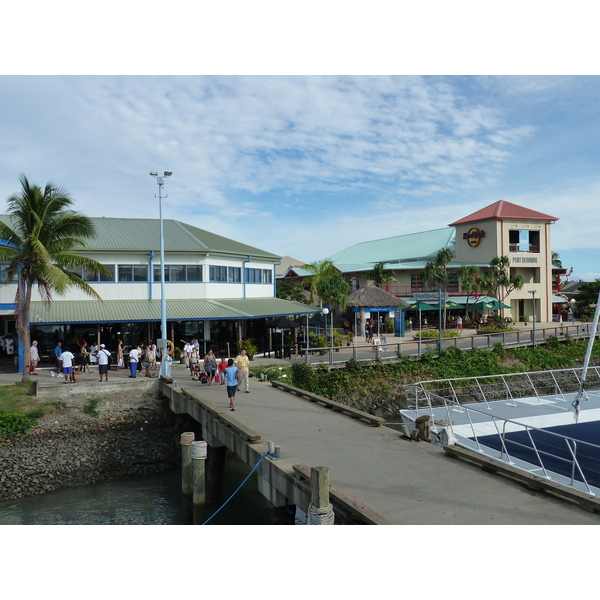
(236, 491)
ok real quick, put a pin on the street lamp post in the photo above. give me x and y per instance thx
(325, 312)
(164, 368)
(533, 293)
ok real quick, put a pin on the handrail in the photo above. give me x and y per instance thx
(574, 462)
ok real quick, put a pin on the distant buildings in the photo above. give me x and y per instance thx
(500, 229)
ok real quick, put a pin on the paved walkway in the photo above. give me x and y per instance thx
(406, 482)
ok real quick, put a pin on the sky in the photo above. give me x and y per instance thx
(305, 128)
(306, 162)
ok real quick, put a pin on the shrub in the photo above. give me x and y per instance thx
(14, 422)
(90, 407)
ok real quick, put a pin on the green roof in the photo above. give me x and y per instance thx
(130, 235)
(125, 311)
(412, 247)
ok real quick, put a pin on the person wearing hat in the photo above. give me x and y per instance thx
(34, 357)
(103, 355)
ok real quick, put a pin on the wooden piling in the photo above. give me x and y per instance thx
(423, 425)
(319, 487)
(198, 454)
(187, 486)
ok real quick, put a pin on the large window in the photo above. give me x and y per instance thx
(93, 275)
(254, 275)
(417, 284)
(137, 273)
(234, 274)
(524, 240)
(179, 273)
(217, 273)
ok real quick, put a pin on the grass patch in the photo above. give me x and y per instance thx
(90, 407)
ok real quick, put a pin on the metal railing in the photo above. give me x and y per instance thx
(454, 393)
(459, 395)
(418, 346)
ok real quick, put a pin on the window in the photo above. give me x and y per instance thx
(137, 273)
(267, 276)
(92, 275)
(234, 274)
(217, 274)
(179, 273)
(524, 240)
(254, 275)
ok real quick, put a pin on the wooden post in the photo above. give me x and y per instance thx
(423, 424)
(186, 440)
(319, 487)
(198, 455)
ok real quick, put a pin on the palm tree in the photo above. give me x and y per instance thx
(467, 275)
(436, 271)
(38, 242)
(497, 280)
(328, 283)
(380, 275)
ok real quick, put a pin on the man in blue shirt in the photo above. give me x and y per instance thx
(57, 360)
(232, 376)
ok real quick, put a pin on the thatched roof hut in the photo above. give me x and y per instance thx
(370, 296)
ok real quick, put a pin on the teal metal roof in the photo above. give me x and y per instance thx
(421, 246)
(130, 235)
(124, 311)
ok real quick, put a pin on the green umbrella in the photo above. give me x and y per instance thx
(491, 304)
(422, 306)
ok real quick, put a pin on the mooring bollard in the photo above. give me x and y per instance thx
(423, 424)
(186, 441)
(320, 511)
(199, 452)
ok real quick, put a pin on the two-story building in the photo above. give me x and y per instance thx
(217, 290)
(500, 229)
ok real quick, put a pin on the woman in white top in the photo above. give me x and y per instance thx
(34, 357)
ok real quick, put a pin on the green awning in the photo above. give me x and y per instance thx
(127, 311)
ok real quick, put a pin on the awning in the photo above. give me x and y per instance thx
(558, 299)
(129, 311)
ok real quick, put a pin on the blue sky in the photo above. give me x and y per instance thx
(307, 165)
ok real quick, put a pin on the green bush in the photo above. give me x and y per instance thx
(14, 422)
(90, 407)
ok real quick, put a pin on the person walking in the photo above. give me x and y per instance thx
(242, 362)
(459, 324)
(134, 356)
(210, 367)
(34, 357)
(84, 358)
(148, 360)
(232, 376)
(57, 360)
(222, 366)
(103, 356)
(120, 361)
(67, 358)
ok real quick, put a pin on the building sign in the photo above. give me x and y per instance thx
(474, 236)
(524, 259)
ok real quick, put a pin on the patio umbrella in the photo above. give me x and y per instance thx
(491, 304)
(370, 296)
(422, 306)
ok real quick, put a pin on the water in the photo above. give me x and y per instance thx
(143, 500)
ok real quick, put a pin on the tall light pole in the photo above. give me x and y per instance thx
(325, 312)
(533, 293)
(164, 369)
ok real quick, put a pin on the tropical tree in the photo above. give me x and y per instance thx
(467, 276)
(327, 283)
(436, 272)
(380, 275)
(290, 291)
(39, 242)
(497, 280)
(556, 262)
(587, 296)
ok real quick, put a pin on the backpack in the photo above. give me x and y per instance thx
(150, 356)
(203, 378)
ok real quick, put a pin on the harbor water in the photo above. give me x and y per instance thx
(144, 500)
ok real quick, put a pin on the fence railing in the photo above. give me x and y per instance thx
(508, 440)
(418, 346)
